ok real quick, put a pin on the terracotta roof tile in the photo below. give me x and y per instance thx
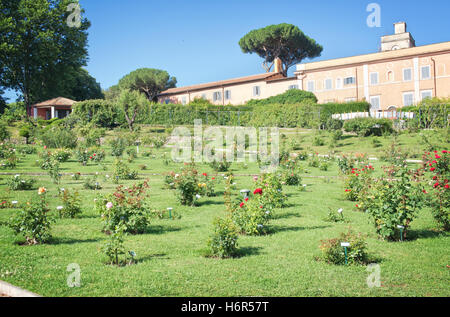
(240, 80)
(60, 101)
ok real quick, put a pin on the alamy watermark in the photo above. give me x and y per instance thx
(237, 144)
(374, 18)
(74, 278)
(74, 18)
(374, 278)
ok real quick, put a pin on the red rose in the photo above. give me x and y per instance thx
(258, 191)
(95, 154)
(437, 157)
(436, 185)
(242, 205)
(246, 199)
(432, 169)
(204, 174)
(447, 186)
(213, 178)
(45, 147)
(425, 192)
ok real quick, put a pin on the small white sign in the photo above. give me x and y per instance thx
(400, 227)
(345, 244)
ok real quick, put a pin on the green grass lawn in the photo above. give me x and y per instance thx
(169, 254)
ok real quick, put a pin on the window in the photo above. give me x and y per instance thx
(183, 100)
(390, 76)
(350, 81)
(350, 99)
(425, 72)
(408, 99)
(256, 91)
(204, 96)
(375, 102)
(407, 74)
(217, 96)
(328, 84)
(227, 94)
(311, 87)
(374, 78)
(426, 94)
(293, 87)
(339, 83)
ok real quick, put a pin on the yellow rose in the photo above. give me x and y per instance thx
(42, 190)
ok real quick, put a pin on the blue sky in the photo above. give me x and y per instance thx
(197, 41)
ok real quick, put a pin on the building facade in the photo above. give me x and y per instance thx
(401, 74)
(54, 108)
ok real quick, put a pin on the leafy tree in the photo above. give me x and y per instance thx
(284, 41)
(102, 113)
(2, 101)
(131, 102)
(38, 48)
(148, 81)
(82, 86)
(112, 93)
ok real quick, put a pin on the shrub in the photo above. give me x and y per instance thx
(220, 166)
(292, 96)
(91, 183)
(118, 146)
(334, 216)
(333, 252)
(27, 150)
(19, 183)
(365, 127)
(33, 223)
(357, 183)
(58, 137)
(101, 113)
(393, 201)
(115, 250)
(71, 207)
(187, 187)
(61, 155)
(223, 241)
(251, 216)
(4, 133)
(437, 164)
(272, 195)
(127, 206)
(8, 158)
(121, 171)
(25, 132)
(334, 124)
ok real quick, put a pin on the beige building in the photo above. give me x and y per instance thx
(400, 75)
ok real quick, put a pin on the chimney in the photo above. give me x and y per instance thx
(278, 65)
(400, 27)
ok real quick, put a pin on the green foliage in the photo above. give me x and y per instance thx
(125, 206)
(91, 183)
(291, 97)
(25, 132)
(118, 146)
(365, 127)
(187, 187)
(284, 41)
(33, 223)
(393, 201)
(272, 195)
(252, 216)
(59, 50)
(100, 113)
(437, 164)
(115, 249)
(223, 241)
(431, 113)
(4, 133)
(121, 171)
(148, 81)
(333, 252)
(19, 183)
(131, 102)
(58, 137)
(71, 204)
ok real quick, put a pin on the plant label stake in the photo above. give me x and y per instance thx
(170, 212)
(401, 231)
(345, 245)
(245, 192)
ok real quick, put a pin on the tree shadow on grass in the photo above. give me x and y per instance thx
(425, 234)
(211, 202)
(161, 229)
(248, 251)
(276, 229)
(287, 215)
(58, 241)
(150, 257)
